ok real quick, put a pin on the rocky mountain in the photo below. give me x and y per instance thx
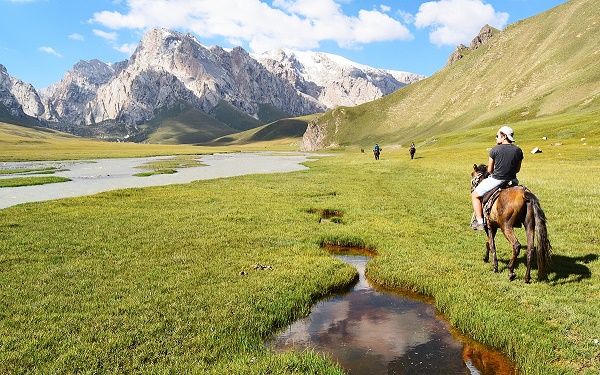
(333, 80)
(68, 100)
(18, 98)
(169, 68)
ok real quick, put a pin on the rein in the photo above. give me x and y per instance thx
(476, 180)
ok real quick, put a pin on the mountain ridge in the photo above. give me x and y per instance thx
(168, 67)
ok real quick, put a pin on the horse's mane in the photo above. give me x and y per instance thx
(482, 168)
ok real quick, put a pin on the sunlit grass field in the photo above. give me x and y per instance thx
(162, 280)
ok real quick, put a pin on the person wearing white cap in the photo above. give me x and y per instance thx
(503, 165)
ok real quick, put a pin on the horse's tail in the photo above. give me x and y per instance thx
(543, 247)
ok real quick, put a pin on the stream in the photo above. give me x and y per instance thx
(369, 331)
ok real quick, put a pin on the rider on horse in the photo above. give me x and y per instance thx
(376, 151)
(503, 165)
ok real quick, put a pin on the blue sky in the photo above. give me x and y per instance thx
(41, 39)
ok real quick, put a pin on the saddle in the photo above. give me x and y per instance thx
(488, 200)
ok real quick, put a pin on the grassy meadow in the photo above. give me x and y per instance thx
(164, 279)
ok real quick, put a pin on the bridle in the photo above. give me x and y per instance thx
(477, 180)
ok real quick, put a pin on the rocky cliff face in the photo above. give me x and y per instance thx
(19, 98)
(166, 67)
(67, 100)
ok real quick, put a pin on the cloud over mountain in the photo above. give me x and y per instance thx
(298, 24)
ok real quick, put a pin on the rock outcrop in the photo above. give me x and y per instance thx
(484, 36)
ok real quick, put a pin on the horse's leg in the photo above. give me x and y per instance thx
(509, 233)
(486, 257)
(491, 232)
(529, 224)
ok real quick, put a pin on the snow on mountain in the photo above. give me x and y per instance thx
(332, 79)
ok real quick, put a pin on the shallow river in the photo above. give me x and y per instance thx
(95, 176)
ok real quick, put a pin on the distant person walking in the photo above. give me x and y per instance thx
(376, 151)
(503, 165)
(412, 149)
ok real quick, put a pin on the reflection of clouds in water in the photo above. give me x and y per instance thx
(322, 317)
(385, 334)
(363, 320)
(380, 333)
(360, 262)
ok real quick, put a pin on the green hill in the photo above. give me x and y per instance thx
(182, 125)
(284, 130)
(186, 125)
(543, 66)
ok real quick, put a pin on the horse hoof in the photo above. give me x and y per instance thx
(511, 277)
(486, 260)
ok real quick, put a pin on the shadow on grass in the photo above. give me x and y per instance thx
(562, 270)
(570, 269)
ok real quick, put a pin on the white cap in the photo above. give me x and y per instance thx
(508, 132)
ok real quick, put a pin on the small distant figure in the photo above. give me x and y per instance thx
(376, 151)
(412, 149)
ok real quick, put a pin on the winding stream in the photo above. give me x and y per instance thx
(369, 331)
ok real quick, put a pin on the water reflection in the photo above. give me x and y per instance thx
(373, 332)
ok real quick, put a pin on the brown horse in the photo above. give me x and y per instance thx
(412, 151)
(515, 206)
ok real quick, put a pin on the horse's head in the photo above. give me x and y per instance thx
(479, 173)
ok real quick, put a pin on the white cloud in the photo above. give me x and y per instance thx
(299, 24)
(385, 8)
(457, 21)
(50, 50)
(127, 48)
(76, 36)
(104, 35)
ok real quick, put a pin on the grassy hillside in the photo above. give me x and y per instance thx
(183, 126)
(282, 131)
(542, 66)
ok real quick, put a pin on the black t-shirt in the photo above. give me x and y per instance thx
(506, 159)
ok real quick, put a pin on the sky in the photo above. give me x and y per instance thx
(41, 39)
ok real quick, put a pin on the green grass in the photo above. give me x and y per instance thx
(169, 166)
(29, 181)
(19, 143)
(24, 171)
(285, 130)
(155, 172)
(161, 280)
